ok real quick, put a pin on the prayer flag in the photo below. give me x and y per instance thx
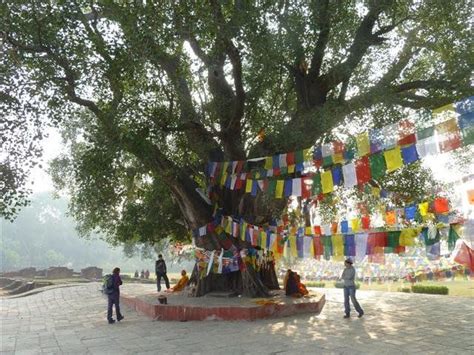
(426, 142)
(393, 239)
(306, 188)
(271, 187)
(338, 147)
(327, 243)
(390, 136)
(363, 144)
(362, 167)
(293, 246)
(377, 166)
(291, 169)
(410, 212)
(318, 246)
(316, 187)
(349, 245)
(254, 188)
(338, 245)
(337, 175)
(283, 161)
(365, 222)
(355, 224)
(376, 140)
(268, 163)
(338, 158)
(300, 246)
(406, 132)
(409, 154)
(296, 187)
(465, 105)
(327, 150)
(448, 107)
(248, 186)
(290, 158)
(454, 232)
(349, 173)
(326, 182)
(279, 188)
(288, 186)
(344, 227)
(423, 208)
(393, 159)
(466, 124)
(441, 205)
(307, 241)
(327, 161)
(299, 157)
(361, 246)
(390, 218)
(407, 237)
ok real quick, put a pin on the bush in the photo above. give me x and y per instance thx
(340, 284)
(433, 290)
(315, 284)
(404, 289)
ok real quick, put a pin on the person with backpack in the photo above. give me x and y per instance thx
(112, 289)
(160, 270)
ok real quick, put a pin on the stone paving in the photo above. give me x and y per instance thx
(72, 320)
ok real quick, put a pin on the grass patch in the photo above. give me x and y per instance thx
(315, 284)
(433, 290)
(340, 284)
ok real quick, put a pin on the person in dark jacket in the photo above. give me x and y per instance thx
(348, 275)
(160, 270)
(114, 297)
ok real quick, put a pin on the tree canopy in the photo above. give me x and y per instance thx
(146, 93)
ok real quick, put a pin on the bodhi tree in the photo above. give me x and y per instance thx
(146, 93)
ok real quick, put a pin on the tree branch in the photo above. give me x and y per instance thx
(321, 13)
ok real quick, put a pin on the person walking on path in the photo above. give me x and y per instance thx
(160, 270)
(114, 297)
(348, 275)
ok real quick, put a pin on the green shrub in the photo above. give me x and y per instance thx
(340, 284)
(404, 289)
(434, 290)
(314, 284)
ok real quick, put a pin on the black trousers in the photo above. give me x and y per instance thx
(114, 299)
(158, 281)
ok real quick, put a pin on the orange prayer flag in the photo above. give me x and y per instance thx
(470, 197)
(390, 218)
(441, 205)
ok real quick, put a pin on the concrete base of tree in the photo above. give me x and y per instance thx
(180, 307)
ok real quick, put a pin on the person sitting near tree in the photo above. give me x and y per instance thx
(302, 290)
(136, 274)
(183, 281)
(294, 286)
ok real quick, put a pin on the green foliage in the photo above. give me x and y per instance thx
(434, 290)
(404, 289)
(315, 284)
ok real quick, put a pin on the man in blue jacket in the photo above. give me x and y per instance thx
(160, 270)
(114, 297)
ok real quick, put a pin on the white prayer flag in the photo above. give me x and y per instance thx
(349, 173)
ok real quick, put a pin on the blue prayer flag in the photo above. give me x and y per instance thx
(376, 140)
(254, 188)
(317, 153)
(465, 105)
(337, 175)
(410, 212)
(276, 161)
(288, 187)
(409, 154)
(344, 227)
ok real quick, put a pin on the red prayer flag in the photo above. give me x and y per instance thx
(365, 222)
(410, 139)
(334, 227)
(317, 246)
(363, 170)
(338, 147)
(317, 163)
(441, 205)
(305, 189)
(465, 256)
(450, 141)
(317, 230)
(290, 158)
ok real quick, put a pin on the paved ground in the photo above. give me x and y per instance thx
(72, 320)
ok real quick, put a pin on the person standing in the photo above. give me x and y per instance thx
(348, 275)
(160, 270)
(114, 297)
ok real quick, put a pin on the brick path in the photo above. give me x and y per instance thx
(72, 320)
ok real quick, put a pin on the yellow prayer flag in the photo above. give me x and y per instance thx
(243, 230)
(423, 207)
(448, 107)
(225, 166)
(326, 181)
(407, 237)
(268, 163)
(338, 158)
(308, 154)
(338, 245)
(291, 169)
(393, 158)
(293, 248)
(223, 179)
(375, 191)
(355, 224)
(263, 240)
(279, 188)
(228, 226)
(447, 126)
(311, 248)
(363, 144)
(308, 231)
(248, 186)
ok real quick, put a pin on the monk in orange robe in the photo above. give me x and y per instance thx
(183, 281)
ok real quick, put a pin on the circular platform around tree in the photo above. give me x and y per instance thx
(221, 306)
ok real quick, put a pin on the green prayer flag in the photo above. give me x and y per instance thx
(284, 170)
(327, 161)
(327, 243)
(316, 189)
(452, 236)
(393, 239)
(377, 165)
(271, 188)
(425, 133)
(468, 135)
(299, 157)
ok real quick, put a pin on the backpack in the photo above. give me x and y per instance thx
(108, 285)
